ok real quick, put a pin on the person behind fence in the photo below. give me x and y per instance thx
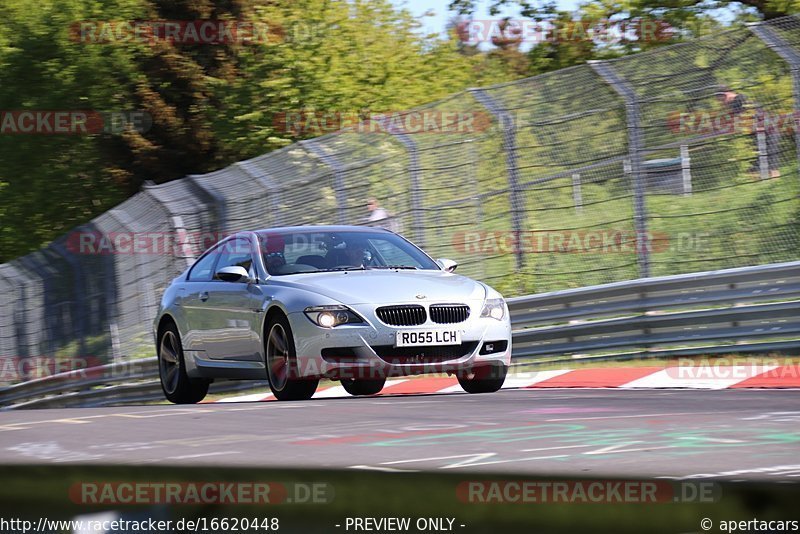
(379, 217)
(737, 105)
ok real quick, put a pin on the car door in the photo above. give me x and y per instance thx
(193, 298)
(232, 309)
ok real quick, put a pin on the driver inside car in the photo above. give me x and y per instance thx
(273, 254)
(355, 252)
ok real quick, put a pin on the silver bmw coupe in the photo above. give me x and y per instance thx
(298, 304)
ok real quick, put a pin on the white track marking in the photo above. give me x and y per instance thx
(515, 382)
(698, 377)
(255, 397)
(334, 392)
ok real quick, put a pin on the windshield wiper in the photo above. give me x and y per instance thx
(393, 267)
(359, 268)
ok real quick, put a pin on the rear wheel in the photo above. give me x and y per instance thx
(363, 386)
(281, 361)
(178, 387)
(484, 379)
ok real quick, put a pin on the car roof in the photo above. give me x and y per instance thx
(323, 228)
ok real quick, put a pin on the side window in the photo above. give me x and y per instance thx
(202, 269)
(235, 252)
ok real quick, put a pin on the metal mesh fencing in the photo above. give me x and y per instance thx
(678, 160)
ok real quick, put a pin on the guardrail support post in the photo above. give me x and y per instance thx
(116, 349)
(338, 176)
(686, 170)
(577, 196)
(633, 117)
(778, 44)
(506, 124)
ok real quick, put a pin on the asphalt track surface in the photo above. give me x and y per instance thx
(731, 434)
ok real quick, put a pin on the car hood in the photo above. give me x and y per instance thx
(386, 287)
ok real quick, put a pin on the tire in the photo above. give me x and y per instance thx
(363, 386)
(178, 387)
(281, 361)
(485, 379)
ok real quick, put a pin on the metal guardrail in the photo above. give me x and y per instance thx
(749, 309)
(130, 382)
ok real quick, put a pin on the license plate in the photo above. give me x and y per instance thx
(427, 338)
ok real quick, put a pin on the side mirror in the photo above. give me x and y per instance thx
(447, 265)
(234, 273)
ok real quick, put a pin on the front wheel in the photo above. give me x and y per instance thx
(178, 387)
(363, 386)
(281, 361)
(484, 379)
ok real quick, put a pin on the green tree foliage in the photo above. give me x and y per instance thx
(210, 105)
(676, 20)
(685, 10)
(53, 181)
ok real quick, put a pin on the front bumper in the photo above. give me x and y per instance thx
(367, 350)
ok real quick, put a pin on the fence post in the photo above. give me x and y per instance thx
(338, 175)
(506, 123)
(17, 316)
(124, 219)
(214, 198)
(268, 185)
(184, 252)
(633, 117)
(46, 336)
(418, 224)
(79, 293)
(778, 44)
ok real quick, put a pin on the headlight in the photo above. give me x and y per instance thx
(331, 316)
(494, 308)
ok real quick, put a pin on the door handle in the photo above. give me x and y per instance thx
(203, 296)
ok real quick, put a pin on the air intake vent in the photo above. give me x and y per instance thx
(435, 354)
(449, 313)
(410, 315)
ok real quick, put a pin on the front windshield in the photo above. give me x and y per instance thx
(320, 251)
